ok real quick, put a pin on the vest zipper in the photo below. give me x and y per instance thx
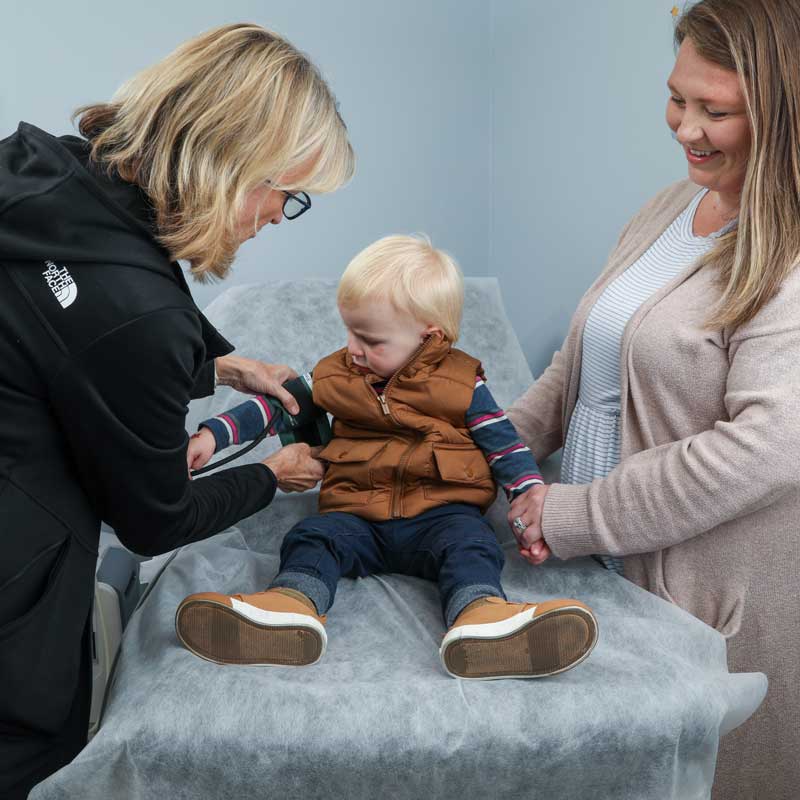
(397, 494)
(382, 399)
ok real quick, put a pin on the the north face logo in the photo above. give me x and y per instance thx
(61, 284)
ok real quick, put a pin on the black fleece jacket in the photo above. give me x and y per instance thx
(101, 348)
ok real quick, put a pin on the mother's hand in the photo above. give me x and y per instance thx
(296, 467)
(528, 508)
(255, 377)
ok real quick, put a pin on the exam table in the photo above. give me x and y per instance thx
(378, 715)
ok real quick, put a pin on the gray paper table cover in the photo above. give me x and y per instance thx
(378, 716)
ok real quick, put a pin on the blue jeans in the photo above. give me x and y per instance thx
(451, 544)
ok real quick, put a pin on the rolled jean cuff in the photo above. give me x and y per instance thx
(311, 586)
(464, 595)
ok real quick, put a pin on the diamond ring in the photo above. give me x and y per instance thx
(519, 524)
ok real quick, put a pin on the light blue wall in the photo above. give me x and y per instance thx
(412, 79)
(579, 143)
(520, 134)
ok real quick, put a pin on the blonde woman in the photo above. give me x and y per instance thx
(102, 347)
(676, 395)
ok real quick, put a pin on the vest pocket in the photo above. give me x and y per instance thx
(463, 476)
(349, 478)
(346, 451)
(458, 463)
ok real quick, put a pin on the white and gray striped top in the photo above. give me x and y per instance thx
(592, 447)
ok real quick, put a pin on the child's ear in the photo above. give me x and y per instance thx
(430, 330)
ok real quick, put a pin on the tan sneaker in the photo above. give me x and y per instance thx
(266, 628)
(497, 639)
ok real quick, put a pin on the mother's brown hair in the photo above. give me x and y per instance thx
(760, 40)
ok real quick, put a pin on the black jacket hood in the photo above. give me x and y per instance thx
(56, 205)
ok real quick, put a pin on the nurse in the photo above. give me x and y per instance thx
(102, 346)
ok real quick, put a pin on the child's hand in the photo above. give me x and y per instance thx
(201, 448)
(537, 553)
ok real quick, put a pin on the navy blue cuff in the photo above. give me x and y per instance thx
(219, 431)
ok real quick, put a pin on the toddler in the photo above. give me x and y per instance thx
(418, 446)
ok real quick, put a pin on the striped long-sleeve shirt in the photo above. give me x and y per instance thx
(512, 463)
(245, 422)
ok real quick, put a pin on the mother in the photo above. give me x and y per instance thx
(676, 394)
(102, 347)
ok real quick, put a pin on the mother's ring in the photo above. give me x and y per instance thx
(519, 524)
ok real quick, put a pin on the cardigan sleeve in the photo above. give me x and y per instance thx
(667, 494)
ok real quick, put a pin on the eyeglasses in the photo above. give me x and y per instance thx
(295, 204)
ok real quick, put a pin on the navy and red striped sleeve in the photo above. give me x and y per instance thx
(244, 422)
(511, 461)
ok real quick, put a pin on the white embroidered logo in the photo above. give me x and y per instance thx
(61, 284)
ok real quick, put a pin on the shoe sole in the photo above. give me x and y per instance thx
(522, 646)
(248, 635)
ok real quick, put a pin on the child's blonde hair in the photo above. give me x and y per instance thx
(411, 274)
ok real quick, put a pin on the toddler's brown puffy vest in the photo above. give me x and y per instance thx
(406, 450)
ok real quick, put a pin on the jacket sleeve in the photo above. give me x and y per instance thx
(122, 404)
(662, 496)
(204, 383)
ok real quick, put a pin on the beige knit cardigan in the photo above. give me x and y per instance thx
(705, 502)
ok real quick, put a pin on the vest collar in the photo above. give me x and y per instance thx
(430, 353)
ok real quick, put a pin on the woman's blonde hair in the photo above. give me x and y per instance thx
(222, 114)
(758, 39)
(412, 275)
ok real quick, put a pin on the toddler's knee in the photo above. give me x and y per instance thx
(469, 545)
(321, 530)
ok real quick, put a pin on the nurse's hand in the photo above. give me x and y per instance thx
(255, 377)
(296, 467)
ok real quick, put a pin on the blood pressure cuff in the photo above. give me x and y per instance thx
(310, 424)
(264, 415)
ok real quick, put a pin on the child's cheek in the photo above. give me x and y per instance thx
(379, 359)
